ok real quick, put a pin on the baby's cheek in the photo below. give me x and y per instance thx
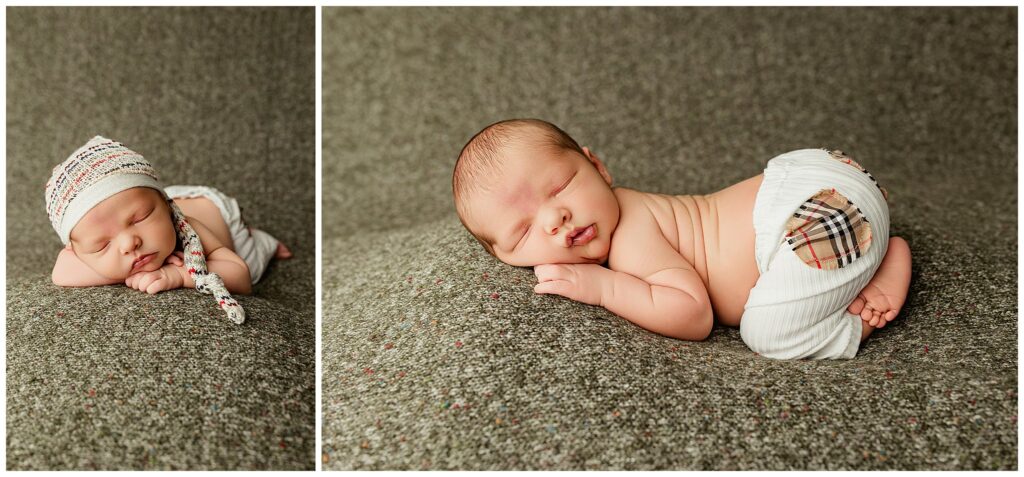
(108, 267)
(163, 239)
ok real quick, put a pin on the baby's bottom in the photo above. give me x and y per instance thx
(797, 310)
(254, 246)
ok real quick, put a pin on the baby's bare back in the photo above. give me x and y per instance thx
(714, 233)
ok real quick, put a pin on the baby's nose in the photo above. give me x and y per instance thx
(561, 216)
(130, 242)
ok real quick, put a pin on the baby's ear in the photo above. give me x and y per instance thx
(598, 164)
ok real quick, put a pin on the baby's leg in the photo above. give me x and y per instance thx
(880, 301)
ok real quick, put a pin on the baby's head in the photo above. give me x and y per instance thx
(107, 205)
(531, 195)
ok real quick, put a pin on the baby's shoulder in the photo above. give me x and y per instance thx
(639, 242)
(628, 197)
(642, 211)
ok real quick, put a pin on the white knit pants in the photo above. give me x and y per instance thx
(796, 311)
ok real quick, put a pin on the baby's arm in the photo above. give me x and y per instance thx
(70, 271)
(219, 259)
(667, 302)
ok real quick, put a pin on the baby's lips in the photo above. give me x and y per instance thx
(588, 233)
(571, 235)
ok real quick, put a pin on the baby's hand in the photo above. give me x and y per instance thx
(176, 258)
(166, 277)
(580, 282)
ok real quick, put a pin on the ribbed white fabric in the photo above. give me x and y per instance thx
(796, 311)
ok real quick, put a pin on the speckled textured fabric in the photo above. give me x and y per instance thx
(111, 378)
(451, 362)
(436, 356)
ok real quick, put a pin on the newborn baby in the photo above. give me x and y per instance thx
(119, 225)
(798, 257)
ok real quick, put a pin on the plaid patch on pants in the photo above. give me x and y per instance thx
(828, 232)
(846, 159)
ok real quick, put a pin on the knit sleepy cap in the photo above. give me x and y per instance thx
(102, 168)
(91, 174)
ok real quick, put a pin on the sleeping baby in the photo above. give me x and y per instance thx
(119, 225)
(799, 257)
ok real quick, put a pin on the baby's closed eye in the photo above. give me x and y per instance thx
(564, 184)
(100, 248)
(522, 238)
(143, 216)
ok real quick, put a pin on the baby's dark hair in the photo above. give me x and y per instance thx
(482, 156)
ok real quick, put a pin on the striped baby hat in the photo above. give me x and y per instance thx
(102, 168)
(94, 172)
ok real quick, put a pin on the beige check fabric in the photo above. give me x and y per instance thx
(845, 159)
(828, 232)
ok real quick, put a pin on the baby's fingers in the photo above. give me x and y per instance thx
(154, 287)
(548, 272)
(147, 280)
(553, 287)
(132, 281)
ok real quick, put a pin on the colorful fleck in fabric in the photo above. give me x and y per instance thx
(845, 159)
(195, 263)
(828, 232)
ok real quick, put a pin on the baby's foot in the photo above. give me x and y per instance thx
(880, 301)
(282, 252)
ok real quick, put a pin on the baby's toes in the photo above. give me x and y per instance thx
(282, 252)
(856, 306)
(865, 315)
(891, 315)
(876, 318)
(881, 320)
